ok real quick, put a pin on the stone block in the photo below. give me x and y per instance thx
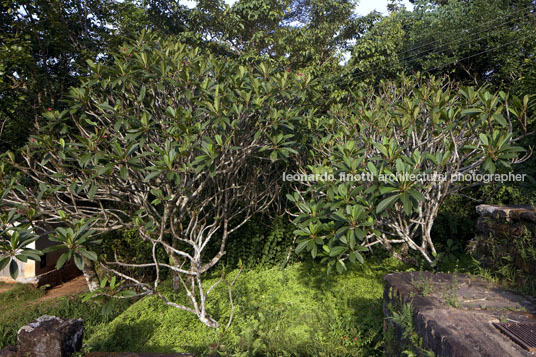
(50, 336)
(452, 315)
(8, 351)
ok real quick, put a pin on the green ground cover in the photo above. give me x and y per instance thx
(280, 312)
(296, 311)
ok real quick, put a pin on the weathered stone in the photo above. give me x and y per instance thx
(8, 351)
(506, 238)
(50, 336)
(512, 212)
(453, 314)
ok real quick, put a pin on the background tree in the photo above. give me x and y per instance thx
(471, 41)
(45, 46)
(293, 33)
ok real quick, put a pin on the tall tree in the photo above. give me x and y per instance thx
(471, 41)
(293, 33)
(45, 45)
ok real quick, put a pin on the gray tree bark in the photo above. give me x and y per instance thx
(92, 279)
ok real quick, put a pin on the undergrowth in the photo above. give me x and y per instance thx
(297, 311)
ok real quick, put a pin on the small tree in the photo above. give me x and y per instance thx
(169, 141)
(404, 150)
(16, 242)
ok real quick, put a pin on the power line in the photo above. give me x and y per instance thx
(484, 24)
(440, 49)
(465, 58)
(473, 55)
(456, 40)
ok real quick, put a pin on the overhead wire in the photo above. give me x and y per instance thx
(439, 50)
(445, 46)
(482, 24)
(489, 49)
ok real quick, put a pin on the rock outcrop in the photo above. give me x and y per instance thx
(505, 241)
(50, 336)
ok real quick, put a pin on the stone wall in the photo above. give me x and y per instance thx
(505, 241)
(450, 315)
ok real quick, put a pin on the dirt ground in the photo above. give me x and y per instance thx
(5, 287)
(75, 286)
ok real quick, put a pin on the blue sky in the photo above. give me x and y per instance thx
(364, 6)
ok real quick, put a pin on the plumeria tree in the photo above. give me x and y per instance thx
(16, 242)
(394, 157)
(171, 142)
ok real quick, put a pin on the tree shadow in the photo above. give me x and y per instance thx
(125, 337)
(313, 275)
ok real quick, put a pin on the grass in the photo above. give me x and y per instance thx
(467, 264)
(18, 295)
(424, 286)
(25, 307)
(298, 311)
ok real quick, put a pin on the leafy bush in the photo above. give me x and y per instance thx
(393, 159)
(171, 142)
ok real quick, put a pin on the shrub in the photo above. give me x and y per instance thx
(403, 149)
(173, 143)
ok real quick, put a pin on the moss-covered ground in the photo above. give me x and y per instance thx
(297, 311)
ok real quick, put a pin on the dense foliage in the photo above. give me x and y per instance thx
(470, 41)
(145, 135)
(168, 141)
(394, 158)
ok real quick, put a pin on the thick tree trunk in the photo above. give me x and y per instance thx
(177, 262)
(176, 275)
(90, 274)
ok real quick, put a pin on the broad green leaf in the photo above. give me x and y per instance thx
(301, 246)
(88, 254)
(4, 262)
(386, 203)
(123, 172)
(61, 260)
(335, 251)
(484, 139)
(13, 269)
(78, 261)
